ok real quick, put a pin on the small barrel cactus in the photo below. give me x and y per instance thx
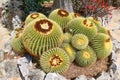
(102, 45)
(16, 43)
(67, 37)
(69, 50)
(61, 16)
(79, 41)
(85, 57)
(33, 16)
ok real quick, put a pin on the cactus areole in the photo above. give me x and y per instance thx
(76, 15)
(63, 13)
(34, 15)
(43, 26)
(55, 60)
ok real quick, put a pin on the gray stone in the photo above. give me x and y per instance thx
(7, 46)
(17, 23)
(91, 79)
(11, 8)
(82, 77)
(113, 56)
(1, 55)
(54, 76)
(23, 66)
(116, 46)
(116, 74)
(2, 70)
(36, 74)
(104, 76)
(11, 68)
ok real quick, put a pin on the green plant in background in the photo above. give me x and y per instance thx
(96, 8)
(31, 6)
(42, 1)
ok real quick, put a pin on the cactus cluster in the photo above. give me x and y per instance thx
(62, 39)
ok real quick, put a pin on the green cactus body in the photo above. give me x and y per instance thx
(95, 21)
(83, 26)
(67, 37)
(104, 30)
(100, 28)
(79, 41)
(41, 35)
(62, 17)
(55, 60)
(17, 45)
(69, 50)
(102, 45)
(33, 16)
(85, 57)
(74, 15)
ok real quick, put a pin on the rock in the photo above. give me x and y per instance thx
(23, 66)
(27, 71)
(113, 56)
(115, 71)
(54, 76)
(2, 70)
(7, 46)
(1, 55)
(4, 37)
(11, 8)
(36, 74)
(13, 78)
(17, 23)
(82, 77)
(11, 68)
(104, 76)
(116, 46)
(8, 69)
(91, 79)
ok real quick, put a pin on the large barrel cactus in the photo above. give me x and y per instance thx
(41, 35)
